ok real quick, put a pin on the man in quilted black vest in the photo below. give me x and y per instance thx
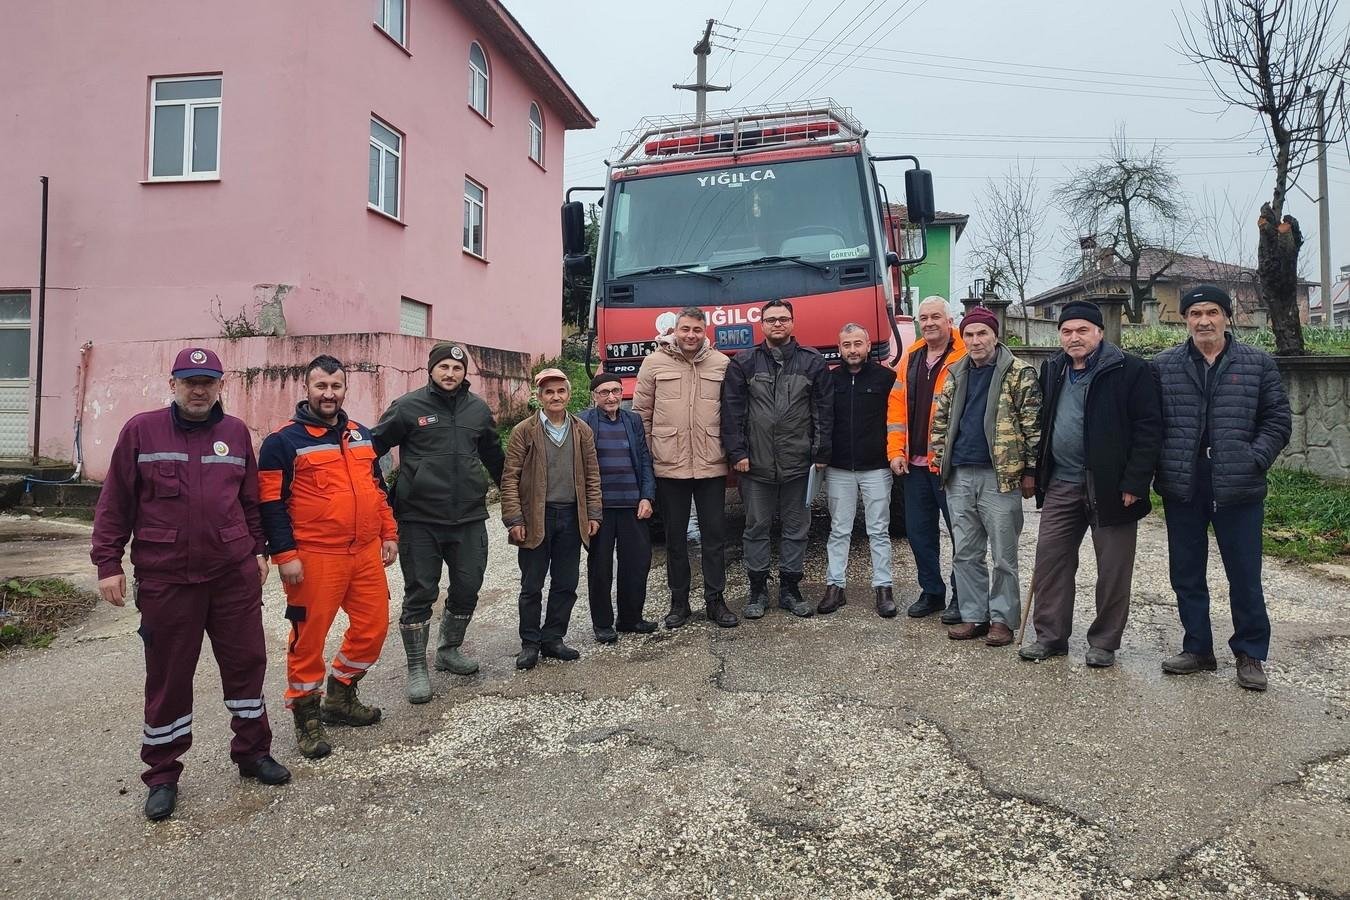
(1225, 419)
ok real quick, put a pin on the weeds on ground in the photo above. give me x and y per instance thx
(34, 610)
(1307, 517)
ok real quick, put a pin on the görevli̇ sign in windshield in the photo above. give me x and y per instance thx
(811, 208)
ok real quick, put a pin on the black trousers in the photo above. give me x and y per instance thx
(424, 550)
(710, 496)
(558, 558)
(620, 529)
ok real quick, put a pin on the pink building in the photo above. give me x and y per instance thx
(205, 158)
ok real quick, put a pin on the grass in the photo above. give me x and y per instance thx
(581, 391)
(1156, 338)
(34, 610)
(1307, 517)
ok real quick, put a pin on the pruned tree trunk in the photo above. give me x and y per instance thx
(1277, 262)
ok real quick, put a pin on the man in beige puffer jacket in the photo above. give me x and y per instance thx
(678, 396)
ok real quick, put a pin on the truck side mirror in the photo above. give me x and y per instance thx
(919, 205)
(573, 228)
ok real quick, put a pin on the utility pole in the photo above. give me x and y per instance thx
(701, 87)
(1323, 204)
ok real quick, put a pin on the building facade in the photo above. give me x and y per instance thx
(307, 168)
(934, 274)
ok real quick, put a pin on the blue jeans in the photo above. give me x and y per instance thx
(1237, 530)
(559, 559)
(924, 502)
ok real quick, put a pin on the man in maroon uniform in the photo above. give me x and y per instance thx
(183, 486)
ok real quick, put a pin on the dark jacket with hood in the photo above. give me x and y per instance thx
(779, 417)
(446, 441)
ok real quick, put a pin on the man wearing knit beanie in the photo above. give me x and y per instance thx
(986, 433)
(442, 432)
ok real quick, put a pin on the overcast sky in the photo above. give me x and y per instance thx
(971, 88)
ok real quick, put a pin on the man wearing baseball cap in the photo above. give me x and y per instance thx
(986, 434)
(1225, 418)
(551, 505)
(182, 486)
(442, 431)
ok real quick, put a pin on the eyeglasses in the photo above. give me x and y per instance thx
(605, 392)
(776, 320)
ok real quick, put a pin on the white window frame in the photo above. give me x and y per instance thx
(189, 122)
(382, 19)
(536, 133)
(475, 75)
(471, 203)
(385, 152)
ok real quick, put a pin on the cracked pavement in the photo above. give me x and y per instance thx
(838, 756)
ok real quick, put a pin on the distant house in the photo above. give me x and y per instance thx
(1339, 307)
(1185, 272)
(934, 274)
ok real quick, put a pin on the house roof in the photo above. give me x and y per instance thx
(957, 221)
(505, 32)
(1185, 269)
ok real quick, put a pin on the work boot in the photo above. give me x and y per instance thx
(159, 805)
(1189, 663)
(679, 610)
(415, 645)
(528, 657)
(834, 599)
(886, 603)
(558, 650)
(1036, 652)
(952, 614)
(719, 613)
(341, 706)
(266, 770)
(309, 733)
(790, 595)
(758, 600)
(1250, 673)
(926, 605)
(448, 657)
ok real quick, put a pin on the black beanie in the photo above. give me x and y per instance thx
(1207, 293)
(1082, 309)
(445, 349)
(604, 378)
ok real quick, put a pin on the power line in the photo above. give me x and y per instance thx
(849, 28)
(760, 62)
(823, 82)
(780, 65)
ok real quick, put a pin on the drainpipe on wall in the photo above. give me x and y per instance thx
(41, 323)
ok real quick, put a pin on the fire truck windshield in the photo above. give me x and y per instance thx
(810, 209)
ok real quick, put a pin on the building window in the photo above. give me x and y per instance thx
(414, 318)
(392, 16)
(475, 214)
(15, 322)
(386, 156)
(185, 128)
(478, 80)
(536, 134)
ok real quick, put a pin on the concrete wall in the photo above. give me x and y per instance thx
(264, 379)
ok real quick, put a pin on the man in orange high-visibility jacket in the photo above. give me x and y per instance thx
(331, 533)
(909, 423)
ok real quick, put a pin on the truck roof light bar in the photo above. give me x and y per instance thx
(735, 131)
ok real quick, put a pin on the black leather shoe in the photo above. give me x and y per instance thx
(885, 603)
(679, 612)
(558, 650)
(926, 605)
(528, 657)
(719, 614)
(952, 614)
(265, 769)
(159, 805)
(641, 626)
(606, 636)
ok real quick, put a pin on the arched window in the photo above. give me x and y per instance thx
(478, 79)
(536, 134)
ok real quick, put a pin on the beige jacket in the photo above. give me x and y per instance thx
(680, 402)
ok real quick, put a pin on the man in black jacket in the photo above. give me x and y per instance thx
(448, 446)
(858, 467)
(777, 420)
(1100, 432)
(1225, 419)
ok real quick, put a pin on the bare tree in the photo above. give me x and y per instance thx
(1130, 204)
(1011, 233)
(1281, 59)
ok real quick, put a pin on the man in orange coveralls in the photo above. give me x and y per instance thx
(331, 534)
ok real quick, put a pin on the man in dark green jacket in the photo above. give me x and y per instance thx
(448, 446)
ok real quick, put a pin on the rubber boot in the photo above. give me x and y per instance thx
(790, 595)
(448, 657)
(758, 601)
(341, 706)
(309, 733)
(679, 610)
(415, 645)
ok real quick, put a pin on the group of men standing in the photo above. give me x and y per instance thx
(971, 429)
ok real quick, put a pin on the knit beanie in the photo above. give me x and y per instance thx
(1082, 309)
(1207, 293)
(980, 315)
(445, 349)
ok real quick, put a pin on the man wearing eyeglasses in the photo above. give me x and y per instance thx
(777, 418)
(627, 491)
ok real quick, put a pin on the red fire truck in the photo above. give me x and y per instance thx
(738, 209)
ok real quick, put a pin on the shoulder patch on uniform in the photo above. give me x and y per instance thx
(427, 420)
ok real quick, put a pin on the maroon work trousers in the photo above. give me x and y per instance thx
(173, 619)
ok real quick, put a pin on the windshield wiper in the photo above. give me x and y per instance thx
(773, 259)
(685, 269)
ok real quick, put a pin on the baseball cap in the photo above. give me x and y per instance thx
(549, 375)
(197, 361)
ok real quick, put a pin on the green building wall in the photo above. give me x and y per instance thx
(934, 274)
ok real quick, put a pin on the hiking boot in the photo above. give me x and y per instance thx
(528, 657)
(341, 706)
(448, 657)
(1098, 658)
(758, 600)
(968, 631)
(679, 611)
(999, 635)
(309, 733)
(266, 770)
(415, 646)
(719, 613)
(952, 614)
(1250, 673)
(790, 595)
(886, 603)
(558, 650)
(834, 599)
(1038, 651)
(159, 805)
(926, 605)
(1189, 663)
